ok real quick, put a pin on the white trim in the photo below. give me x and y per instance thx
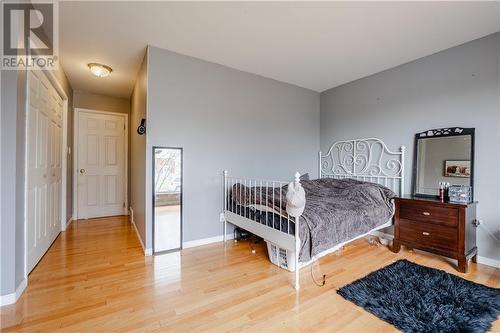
(75, 155)
(12, 298)
(71, 219)
(205, 241)
(64, 166)
(381, 234)
(488, 261)
(147, 251)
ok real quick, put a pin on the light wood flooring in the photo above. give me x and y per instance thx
(95, 278)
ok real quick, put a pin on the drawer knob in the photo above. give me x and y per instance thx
(425, 233)
(426, 213)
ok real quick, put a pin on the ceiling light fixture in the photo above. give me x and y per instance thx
(99, 70)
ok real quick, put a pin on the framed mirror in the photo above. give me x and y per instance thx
(167, 199)
(443, 155)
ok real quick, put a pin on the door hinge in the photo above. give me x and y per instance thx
(124, 205)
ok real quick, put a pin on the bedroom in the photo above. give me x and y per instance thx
(260, 101)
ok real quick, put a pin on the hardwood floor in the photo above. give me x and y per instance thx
(95, 278)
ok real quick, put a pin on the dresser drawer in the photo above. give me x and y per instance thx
(429, 235)
(442, 228)
(428, 213)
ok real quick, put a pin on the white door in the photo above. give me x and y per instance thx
(44, 158)
(101, 165)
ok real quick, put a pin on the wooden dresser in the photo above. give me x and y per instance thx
(447, 229)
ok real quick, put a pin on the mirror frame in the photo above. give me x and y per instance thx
(153, 203)
(437, 133)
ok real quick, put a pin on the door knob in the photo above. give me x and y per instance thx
(82, 171)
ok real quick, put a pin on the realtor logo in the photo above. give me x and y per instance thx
(29, 38)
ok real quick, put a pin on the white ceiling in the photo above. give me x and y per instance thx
(313, 45)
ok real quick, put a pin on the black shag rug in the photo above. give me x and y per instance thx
(415, 298)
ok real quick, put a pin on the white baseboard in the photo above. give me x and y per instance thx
(205, 241)
(488, 261)
(147, 252)
(12, 298)
(382, 235)
(71, 219)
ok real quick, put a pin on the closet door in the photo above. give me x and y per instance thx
(44, 159)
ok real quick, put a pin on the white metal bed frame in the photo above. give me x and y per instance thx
(366, 159)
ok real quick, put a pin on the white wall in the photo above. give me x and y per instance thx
(457, 87)
(85, 100)
(225, 119)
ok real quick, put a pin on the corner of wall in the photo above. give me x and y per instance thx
(13, 297)
(138, 171)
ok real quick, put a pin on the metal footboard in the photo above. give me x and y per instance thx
(258, 218)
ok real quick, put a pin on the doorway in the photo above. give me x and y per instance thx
(167, 199)
(101, 164)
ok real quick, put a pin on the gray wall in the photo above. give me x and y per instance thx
(457, 87)
(137, 166)
(9, 226)
(225, 119)
(100, 102)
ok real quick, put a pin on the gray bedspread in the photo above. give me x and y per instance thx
(337, 210)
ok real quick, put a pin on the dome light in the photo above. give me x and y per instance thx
(99, 70)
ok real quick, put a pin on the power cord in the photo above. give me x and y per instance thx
(250, 243)
(319, 284)
(485, 228)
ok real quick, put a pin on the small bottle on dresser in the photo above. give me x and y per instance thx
(442, 190)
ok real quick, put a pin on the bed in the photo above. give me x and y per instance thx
(351, 198)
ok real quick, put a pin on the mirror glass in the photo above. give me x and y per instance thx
(442, 159)
(167, 203)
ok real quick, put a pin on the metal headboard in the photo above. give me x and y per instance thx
(366, 160)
